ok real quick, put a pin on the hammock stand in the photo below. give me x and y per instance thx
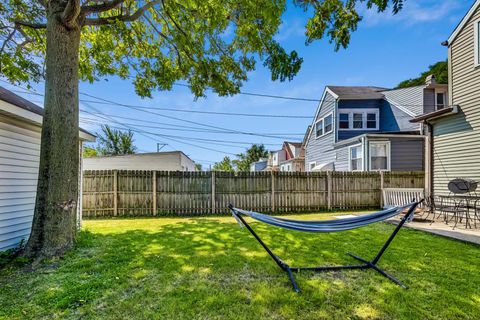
(365, 264)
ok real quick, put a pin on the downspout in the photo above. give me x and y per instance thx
(430, 163)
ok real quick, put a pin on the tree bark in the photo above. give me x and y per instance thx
(54, 221)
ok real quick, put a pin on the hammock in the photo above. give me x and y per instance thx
(328, 226)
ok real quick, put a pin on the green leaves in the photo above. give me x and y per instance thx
(253, 154)
(439, 69)
(114, 142)
(209, 44)
(224, 165)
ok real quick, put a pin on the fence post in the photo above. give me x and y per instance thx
(329, 190)
(154, 192)
(115, 192)
(272, 200)
(213, 191)
(381, 188)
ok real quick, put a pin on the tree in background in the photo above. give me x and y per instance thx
(224, 165)
(253, 154)
(89, 152)
(439, 69)
(113, 142)
(158, 42)
(198, 166)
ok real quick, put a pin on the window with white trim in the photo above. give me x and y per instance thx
(358, 119)
(312, 165)
(379, 156)
(324, 126)
(356, 158)
(440, 99)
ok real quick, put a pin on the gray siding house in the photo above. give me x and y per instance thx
(454, 131)
(369, 129)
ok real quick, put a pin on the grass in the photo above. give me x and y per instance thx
(209, 268)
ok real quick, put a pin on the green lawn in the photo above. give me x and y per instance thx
(209, 268)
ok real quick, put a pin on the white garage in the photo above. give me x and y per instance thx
(20, 129)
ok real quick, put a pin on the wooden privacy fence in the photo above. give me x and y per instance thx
(157, 193)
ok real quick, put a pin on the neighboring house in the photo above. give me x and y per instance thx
(275, 158)
(454, 131)
(259, 165)
(20, 131)
(294, 157)
(368, 129)
(160, 161)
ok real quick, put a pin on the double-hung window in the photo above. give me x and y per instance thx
(356, 158)
(440, 99)
(324, 126)
(379, 155)
(358, 119)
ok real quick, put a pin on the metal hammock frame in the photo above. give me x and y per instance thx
(365, 264)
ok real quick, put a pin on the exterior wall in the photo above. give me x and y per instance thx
(163, 161)
(429, 100)
(293, 165)
(321, 150)
(407, 154)
(457, 137)
(258, 166)
(411, 98)
(342, 156)
(19, 162)
(357, 104)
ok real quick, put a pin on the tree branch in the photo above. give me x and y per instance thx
(32, 25)
(71, 12)
(125, 18)
(105, 6)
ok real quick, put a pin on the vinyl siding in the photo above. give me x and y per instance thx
(321, 150)
(429, 100)
(408, 98)
(19, 161)
(457, 138)
(407, 154)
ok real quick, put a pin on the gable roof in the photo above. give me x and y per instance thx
(357, 92)
(288, 149)
(18, 101)
(463, 22)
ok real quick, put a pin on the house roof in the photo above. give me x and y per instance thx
(357, 92)
(463, 22)
(436, 114)
(289, 150)
(16, 100)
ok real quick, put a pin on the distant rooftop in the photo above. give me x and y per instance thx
(357, 92)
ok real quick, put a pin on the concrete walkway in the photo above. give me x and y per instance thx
(446, 230)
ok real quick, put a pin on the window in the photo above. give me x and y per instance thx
(440, 100)
(371, 120)
(358, 119)
(343, 122)
(319, 128)
(312, 165)
(379, 156)
(324, 126)
(356, 158)
(327, 122)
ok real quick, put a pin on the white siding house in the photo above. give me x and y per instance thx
(160, 161)
(20, 129)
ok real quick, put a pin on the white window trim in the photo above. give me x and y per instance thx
(350, 113)
(310, 165)
(350, 157)
(389, 155)
(445, 98)
(476, 43)
(323, 126)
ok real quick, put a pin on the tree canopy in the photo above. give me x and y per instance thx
(439, 69)
(113, 142)
(224, 165)
(253, 154)
(207, 43)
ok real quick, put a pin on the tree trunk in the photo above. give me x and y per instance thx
(54, 221)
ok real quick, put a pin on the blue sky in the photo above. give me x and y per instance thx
(384, 50)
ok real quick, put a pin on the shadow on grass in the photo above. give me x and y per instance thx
(206, 268)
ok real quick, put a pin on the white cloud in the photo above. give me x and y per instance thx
(413, 12)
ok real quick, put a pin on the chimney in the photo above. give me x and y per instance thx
(429, 80)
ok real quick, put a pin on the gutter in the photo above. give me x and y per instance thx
(436, 114)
